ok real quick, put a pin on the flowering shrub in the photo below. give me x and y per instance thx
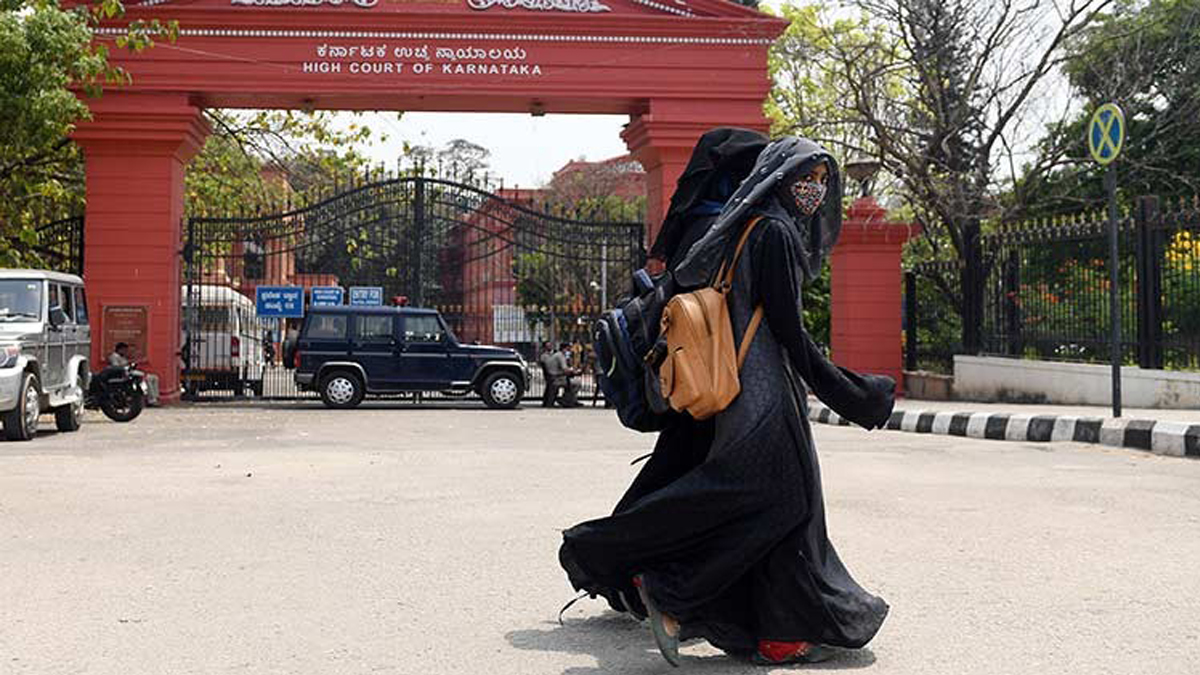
(1181, 286)
(1065, 306)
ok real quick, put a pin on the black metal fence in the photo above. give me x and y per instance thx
(500, 269)
(58, 245)
(1043, 293)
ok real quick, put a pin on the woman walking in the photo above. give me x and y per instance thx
(721, 160)
(734, 549)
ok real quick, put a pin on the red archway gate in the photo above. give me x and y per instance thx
(677, 67)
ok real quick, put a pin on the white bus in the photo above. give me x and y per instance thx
(222, 341)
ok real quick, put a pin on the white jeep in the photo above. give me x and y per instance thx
(45, 342)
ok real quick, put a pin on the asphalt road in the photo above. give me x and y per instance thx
(423, 541)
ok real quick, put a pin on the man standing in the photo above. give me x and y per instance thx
(548, 391)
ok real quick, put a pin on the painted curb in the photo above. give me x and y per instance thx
(1174, 439)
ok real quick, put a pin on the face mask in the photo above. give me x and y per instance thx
(808, 196)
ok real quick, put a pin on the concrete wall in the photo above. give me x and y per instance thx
(987, 378)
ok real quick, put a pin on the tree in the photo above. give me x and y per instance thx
(941, 92)
(464, 159)
(810, 96)
(1146, 57)
(47, 55)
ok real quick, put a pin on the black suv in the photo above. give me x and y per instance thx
(345, 353)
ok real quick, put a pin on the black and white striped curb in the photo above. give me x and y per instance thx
(1177, 439)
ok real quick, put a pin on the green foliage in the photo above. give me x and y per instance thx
(939, 322)
(1064, 294)
(1181, 286)
(816, 301)
(811, 95)
(1146, 57)
(46, 54)
(43, 50)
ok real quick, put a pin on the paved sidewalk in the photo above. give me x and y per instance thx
(1166, 432)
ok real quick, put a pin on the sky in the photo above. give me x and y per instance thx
(526, 150)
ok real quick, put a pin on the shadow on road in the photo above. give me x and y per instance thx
(621, 645)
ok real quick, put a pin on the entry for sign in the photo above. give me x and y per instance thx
(361, 296)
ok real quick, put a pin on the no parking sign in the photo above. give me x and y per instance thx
(1106, 133)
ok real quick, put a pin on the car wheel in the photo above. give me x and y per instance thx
(21, 423)
(342, 389)
(69, 417)
(501, 390)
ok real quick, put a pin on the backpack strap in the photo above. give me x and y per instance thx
(748, 337)
(725, 282)
(725, 276)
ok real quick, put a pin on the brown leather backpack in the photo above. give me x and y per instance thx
(699, 375)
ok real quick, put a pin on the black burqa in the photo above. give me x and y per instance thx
(721, 160)
(730, 532)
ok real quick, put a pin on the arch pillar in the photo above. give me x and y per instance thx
(662, 139)
(866, 285)
(136, 148)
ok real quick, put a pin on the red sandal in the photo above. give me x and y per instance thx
(776, 653)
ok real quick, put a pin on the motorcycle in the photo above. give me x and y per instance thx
(118, 391)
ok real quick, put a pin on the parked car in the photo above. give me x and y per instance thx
(45, 343)
(346, 353)
(221, 340)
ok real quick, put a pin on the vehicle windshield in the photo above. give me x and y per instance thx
(20, 300)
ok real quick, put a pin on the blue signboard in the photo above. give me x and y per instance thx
(366, 296)
(327, 296)
(282, 302)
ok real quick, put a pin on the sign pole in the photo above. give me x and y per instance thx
(1106, 137)
(1110, 186)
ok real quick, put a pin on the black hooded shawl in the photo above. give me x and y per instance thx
(776, 168)
(726, 520)
(722, 158)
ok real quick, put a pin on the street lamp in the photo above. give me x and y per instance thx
(863, 170)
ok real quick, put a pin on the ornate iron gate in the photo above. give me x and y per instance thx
(60, 245)
(501, 271)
